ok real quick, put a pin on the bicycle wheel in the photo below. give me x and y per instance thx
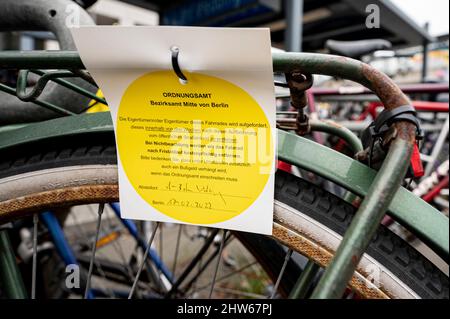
(307, 219)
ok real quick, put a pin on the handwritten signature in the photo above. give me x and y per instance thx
(196, 188)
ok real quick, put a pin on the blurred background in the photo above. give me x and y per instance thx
(406, 39)
(415, 28)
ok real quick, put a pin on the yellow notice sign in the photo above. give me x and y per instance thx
(197, 152)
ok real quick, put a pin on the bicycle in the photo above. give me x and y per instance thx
(79, 148)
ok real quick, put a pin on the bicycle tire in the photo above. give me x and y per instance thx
(40, 175)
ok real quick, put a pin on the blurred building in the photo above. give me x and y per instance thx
(295, 25)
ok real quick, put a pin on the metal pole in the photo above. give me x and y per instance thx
(335, 129)
(304, 281)
(366, 221)
(389, 177)
(10, 274)
(425, 55)
(294, 25)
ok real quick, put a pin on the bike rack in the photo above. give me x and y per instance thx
(386, 183)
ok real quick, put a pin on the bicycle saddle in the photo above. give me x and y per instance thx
(356, 49)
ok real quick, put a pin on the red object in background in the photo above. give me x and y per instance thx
(432, 88)
(340, 145)
(421, 106)
(425, 106)
(387, 221)
(372, 109)
(416, 163)
(436, 190)
(284, 166)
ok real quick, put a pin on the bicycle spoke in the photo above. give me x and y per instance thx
(103, 275)
(34, 266)
(283, 268)
(219, 258)
(202, 266)
(177, 247)
(237, 271)
(84, 237)
(144, 258)
(101, 207)
(161, 235)
(305, 280)
(98, 265)
(192, 264)
(194, 280)
(119, 250)
(160, 250)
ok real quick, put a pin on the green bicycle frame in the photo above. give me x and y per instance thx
(381, 191)
(412, 212)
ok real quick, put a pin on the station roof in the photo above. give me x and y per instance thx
(322, 19)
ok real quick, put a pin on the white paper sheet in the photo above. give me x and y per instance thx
(118, 56)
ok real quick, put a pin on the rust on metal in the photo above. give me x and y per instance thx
(392, 97)
(298, 83)
(322, 256)
(19, 207)
(355, 260)
(388, 92)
